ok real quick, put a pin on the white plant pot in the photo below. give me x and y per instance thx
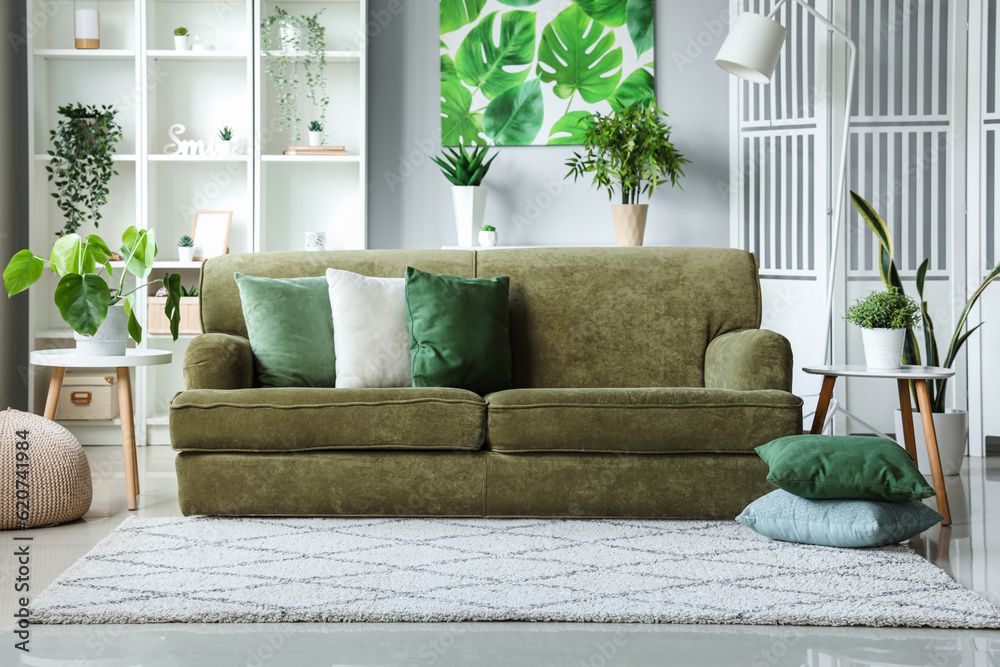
(315, 138)
(952, 431)
(293, 37)
(111, 337)
(181, 42)
(487, 239)
(224, 148)
(185, 254)
(470, 207)
(883, 348)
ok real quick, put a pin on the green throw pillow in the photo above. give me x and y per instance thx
(843, 467)
(459, 331)
(290, 326)
(837, 523)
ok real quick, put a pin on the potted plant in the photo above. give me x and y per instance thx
(81, 162)
(488, 236)
(185, 249)
(103, 318)
(629, 152)
(884, 318)
(315, 133)
(951, 426)
(181, 39)
(466, 171)
(225, 141)
(299, 52)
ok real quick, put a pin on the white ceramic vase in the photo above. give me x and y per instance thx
(185, 254)
(487, 239)
(225, 148)
(883, 348)
(111, 337)
(630, 223)
(293, 37)
(952, 431)
(470, 208)
(181, 42)
(315, 138)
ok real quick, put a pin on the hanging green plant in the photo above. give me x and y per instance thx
(300, 52)
(82, 165)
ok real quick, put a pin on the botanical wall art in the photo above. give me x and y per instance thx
(531, 72)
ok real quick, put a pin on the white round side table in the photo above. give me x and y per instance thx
(60, 360)
(918, 375)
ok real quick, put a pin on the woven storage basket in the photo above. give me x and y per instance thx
(58, 476)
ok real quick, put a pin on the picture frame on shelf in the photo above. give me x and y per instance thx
(211, 234)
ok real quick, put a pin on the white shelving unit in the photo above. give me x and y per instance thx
(275, 198)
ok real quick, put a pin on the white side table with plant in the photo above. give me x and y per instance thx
(629, 153)
(181, 38)
(466, 171)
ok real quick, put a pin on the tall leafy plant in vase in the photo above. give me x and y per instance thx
(299, 52)
(951, 426)
(630, 154)
(82, 162)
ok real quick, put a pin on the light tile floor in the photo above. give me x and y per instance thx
(969, 551)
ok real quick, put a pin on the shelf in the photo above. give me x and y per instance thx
(115, 157)
(170, 264)
(196, 56)
(310, 158)
(163, 157)
(85, 54)
(328, 56)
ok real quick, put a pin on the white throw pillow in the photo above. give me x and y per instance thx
(370, 334)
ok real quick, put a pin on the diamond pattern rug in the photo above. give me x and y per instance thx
(205, 570)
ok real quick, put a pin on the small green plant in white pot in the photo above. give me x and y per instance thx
(466, 171)
(185, 248)
(488, 236)
(225, 144)
(181, 37)
(315, 133)
(884, 318)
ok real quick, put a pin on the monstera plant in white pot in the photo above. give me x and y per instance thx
(950, 425)
(466, 171)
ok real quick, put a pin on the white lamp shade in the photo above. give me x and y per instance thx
(751, 50)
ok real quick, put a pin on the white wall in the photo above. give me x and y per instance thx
(410, 202)
(13, 207)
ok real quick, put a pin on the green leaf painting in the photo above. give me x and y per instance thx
(533, 72)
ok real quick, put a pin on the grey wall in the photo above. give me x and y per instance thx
(410, 202)
(13, 206)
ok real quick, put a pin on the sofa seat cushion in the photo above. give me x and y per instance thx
(648, 420)
(307, 419)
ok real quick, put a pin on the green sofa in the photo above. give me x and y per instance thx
(642, 383)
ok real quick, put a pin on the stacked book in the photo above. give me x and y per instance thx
(315, 150)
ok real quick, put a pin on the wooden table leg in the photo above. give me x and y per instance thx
(825, 395)
(128, 434)
(55, 386)
(907, 413)
(924, 403)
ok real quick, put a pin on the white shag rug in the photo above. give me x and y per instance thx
(260, 570)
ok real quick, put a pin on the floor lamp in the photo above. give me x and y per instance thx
(751, 52)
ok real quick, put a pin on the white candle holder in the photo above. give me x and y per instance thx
(87, 26)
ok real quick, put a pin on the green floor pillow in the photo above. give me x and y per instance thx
(837, 523)
(843, 467)
(290, 326)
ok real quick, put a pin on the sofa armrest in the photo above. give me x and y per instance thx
(748, 360)
(219, 361)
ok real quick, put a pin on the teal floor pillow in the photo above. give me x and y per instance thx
(290, 326)
(459, 331)
(837, 523)
(843, 468)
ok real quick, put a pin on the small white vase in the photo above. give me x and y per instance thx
(470, 208)
(487, 239)
(293, 37)
(111, 337)
(952, 431)
(185, 254)
(181, 42)
(315, 138)
(883, 348)
(224, 148)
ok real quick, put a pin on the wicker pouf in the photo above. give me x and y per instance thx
(49, 474)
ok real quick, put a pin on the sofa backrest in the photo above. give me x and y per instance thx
(222, 310)
(621, 317)
(579, 317)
